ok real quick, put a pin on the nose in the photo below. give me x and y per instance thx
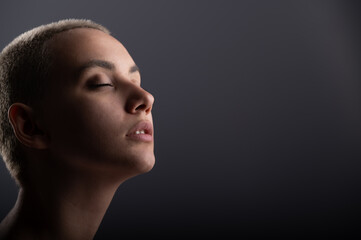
(139, 101)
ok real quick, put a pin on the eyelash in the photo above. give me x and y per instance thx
(92, 86)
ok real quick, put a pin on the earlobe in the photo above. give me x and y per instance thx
(25, 128)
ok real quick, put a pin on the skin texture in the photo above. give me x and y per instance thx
(78, 141)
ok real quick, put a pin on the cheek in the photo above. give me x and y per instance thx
(88, 126)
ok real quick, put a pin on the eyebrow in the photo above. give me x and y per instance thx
(98, 63)
(134, 69)
(106, 65)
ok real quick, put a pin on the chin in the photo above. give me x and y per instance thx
(137, 164)
(146, 164)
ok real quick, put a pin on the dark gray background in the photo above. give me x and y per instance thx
(257, 114)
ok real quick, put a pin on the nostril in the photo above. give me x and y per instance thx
(141, 102)
(140, 107)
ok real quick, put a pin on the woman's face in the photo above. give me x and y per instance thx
(96, 112)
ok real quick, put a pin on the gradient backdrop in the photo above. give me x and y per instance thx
(257, 114)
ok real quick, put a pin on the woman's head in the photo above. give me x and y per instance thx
(71, 90)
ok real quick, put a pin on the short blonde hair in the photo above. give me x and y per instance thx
(24, 67)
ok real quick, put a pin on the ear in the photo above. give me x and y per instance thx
(25, 126)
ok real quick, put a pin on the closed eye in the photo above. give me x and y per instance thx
(94, 86)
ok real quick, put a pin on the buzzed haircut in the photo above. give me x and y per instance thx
(24, 71)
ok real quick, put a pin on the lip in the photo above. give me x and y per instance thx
(147, 136)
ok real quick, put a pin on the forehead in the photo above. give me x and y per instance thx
(71, 49)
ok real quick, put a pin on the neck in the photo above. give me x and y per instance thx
(68, 207)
